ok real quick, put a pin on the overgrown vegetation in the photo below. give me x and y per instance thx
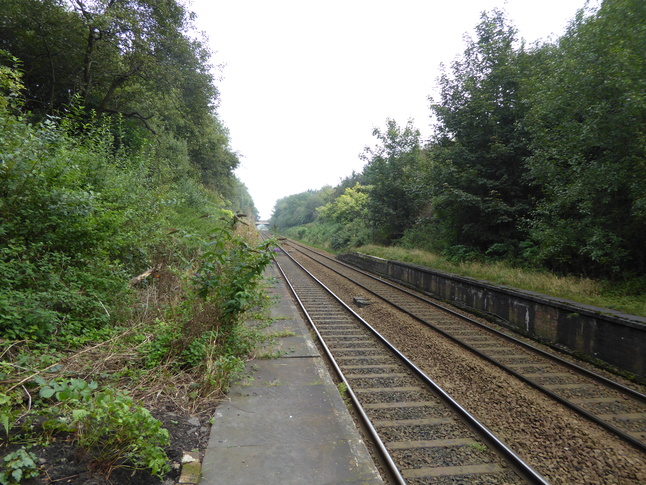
(538, 161)
(618, 296)
(125, 277)
(77, 224)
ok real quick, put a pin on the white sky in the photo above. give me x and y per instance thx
(305, 82)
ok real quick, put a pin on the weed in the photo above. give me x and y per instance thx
(247, 381)
(204, 331)
(230, 272)
(110, 428)
(74, 390)
(220, 371)
(477, 446)
(343, 391)
(275, 354)
(115, 433)
(17, 466)
(9, 412)
(282, 334)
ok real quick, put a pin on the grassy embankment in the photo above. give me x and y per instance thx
(629, 297)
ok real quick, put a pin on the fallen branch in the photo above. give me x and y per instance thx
(138, 279)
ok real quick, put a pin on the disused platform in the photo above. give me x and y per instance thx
(286, 424)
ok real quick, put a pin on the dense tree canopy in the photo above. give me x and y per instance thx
(136, 59)
(479, 189)
(347, 207)
(588, 130)
(242, 202)
(396, 190)
(299, 209)
(538, 155)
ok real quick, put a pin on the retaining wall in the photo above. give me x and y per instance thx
(595, 333)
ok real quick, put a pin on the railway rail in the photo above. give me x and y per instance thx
(619, 409)
(582, 428)
(423, 435)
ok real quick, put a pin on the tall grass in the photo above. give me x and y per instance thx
(626, 297)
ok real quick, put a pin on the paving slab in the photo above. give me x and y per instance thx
(287, 423)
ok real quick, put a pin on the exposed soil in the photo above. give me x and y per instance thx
(60, 462)
(163, 392)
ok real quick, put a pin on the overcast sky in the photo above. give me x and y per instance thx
(305, 82)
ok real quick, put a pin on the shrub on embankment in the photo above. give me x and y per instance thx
(117, 265)
(78, 218)
(82, 212)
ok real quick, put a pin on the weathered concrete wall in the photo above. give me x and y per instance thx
(598, 333)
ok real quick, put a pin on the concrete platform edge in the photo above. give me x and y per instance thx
(287, 423)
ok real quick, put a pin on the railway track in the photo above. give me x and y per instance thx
(617, 408)
(424, 436)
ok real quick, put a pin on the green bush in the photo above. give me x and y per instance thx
(230, 272)
(76, 220)
(109, 427)
(205, 332)
(115, 432)
(17, 466)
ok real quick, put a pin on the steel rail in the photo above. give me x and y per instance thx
(582, 370)
(574, 407)
(522, 468)
(384, 454)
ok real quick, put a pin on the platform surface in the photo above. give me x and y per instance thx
(287, 423)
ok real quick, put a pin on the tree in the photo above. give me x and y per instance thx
(480, 193)
(299, 209)
(347, 207)
(588, 127)
(392, 172)
(48, 40)
(130, 59)
(242, 202)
